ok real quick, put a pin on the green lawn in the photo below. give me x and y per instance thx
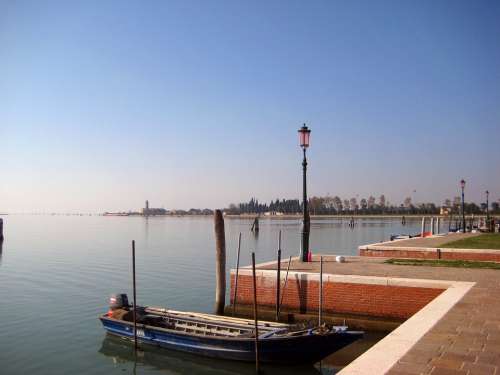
(483, 241)
(443, 263)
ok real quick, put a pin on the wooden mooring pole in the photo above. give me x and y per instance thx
(278, 279)
(236, 278)
(220, 259)
(320, 314)
(135, 295)
(255, 314)
(1, 229)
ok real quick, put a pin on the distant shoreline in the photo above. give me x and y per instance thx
(371, 216)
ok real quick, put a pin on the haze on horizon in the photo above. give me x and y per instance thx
(197, 104)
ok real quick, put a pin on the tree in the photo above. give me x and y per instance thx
(457, 201)
(363, 203)
(447, 202)
(371, 202)
(337, 203)
(495, 207)
(353, 204)
(346, 205)
(382, 201)
(407, 202)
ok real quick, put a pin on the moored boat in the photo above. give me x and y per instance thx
(223, 337)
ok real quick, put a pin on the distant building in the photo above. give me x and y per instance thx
(445, 210)
(147, 211)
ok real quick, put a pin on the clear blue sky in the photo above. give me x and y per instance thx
(104, 104)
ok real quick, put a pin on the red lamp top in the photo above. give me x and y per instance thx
(462, 183)
(304, 134)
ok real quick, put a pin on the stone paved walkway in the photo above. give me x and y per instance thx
(429, 242)
(465, 341)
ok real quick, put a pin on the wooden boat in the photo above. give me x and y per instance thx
(230, 338)
(164, 361)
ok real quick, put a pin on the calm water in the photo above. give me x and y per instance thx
(56, 273)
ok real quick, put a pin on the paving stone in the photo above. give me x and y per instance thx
(447, 371)
(465, 341)
(480, 369)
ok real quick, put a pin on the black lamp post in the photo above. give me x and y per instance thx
(462, 185)
(487, 207)
(304, 134)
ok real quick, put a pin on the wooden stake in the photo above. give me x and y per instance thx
(236, 278)
(255, 314)
(284, 285)
(320, 290)
(1, 229)
(220, 258)
(278, 279)
(135, 295)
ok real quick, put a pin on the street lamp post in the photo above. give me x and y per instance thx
(462, 185)
(304, 134)
(487, 209)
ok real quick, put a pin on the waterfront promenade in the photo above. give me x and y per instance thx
(465, 340)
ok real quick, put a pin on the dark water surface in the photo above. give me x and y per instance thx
(56, 273)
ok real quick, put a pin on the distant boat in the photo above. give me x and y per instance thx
(224, 337)
(116, 214)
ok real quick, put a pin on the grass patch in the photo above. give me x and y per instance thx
(444, 263)
(483, 241)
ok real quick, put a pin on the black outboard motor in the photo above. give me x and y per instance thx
(118, 301)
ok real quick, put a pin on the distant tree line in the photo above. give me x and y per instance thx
(365, 206)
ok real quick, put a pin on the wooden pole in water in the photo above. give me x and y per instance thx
(284, 285)
(236, 278)
(255, 314)
(320, 291)
(220, 258)
(1, 229)
(278, 279)
(432, 226)
(135, 295)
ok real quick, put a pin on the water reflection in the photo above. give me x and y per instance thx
(122, 353)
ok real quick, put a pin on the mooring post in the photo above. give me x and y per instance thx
(135, 295)
(278, 279)
(320, 314)
(1, 229)
(255, 314)
(255, 225)
(438, 225)
(220, 258)
(432, 226)
(236, 278)
(423, 227)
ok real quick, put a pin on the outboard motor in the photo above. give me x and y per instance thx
(118, 301)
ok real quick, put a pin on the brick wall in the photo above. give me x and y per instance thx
(434, 254)
(302, 295)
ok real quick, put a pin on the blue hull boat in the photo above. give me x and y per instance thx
(231, 338)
